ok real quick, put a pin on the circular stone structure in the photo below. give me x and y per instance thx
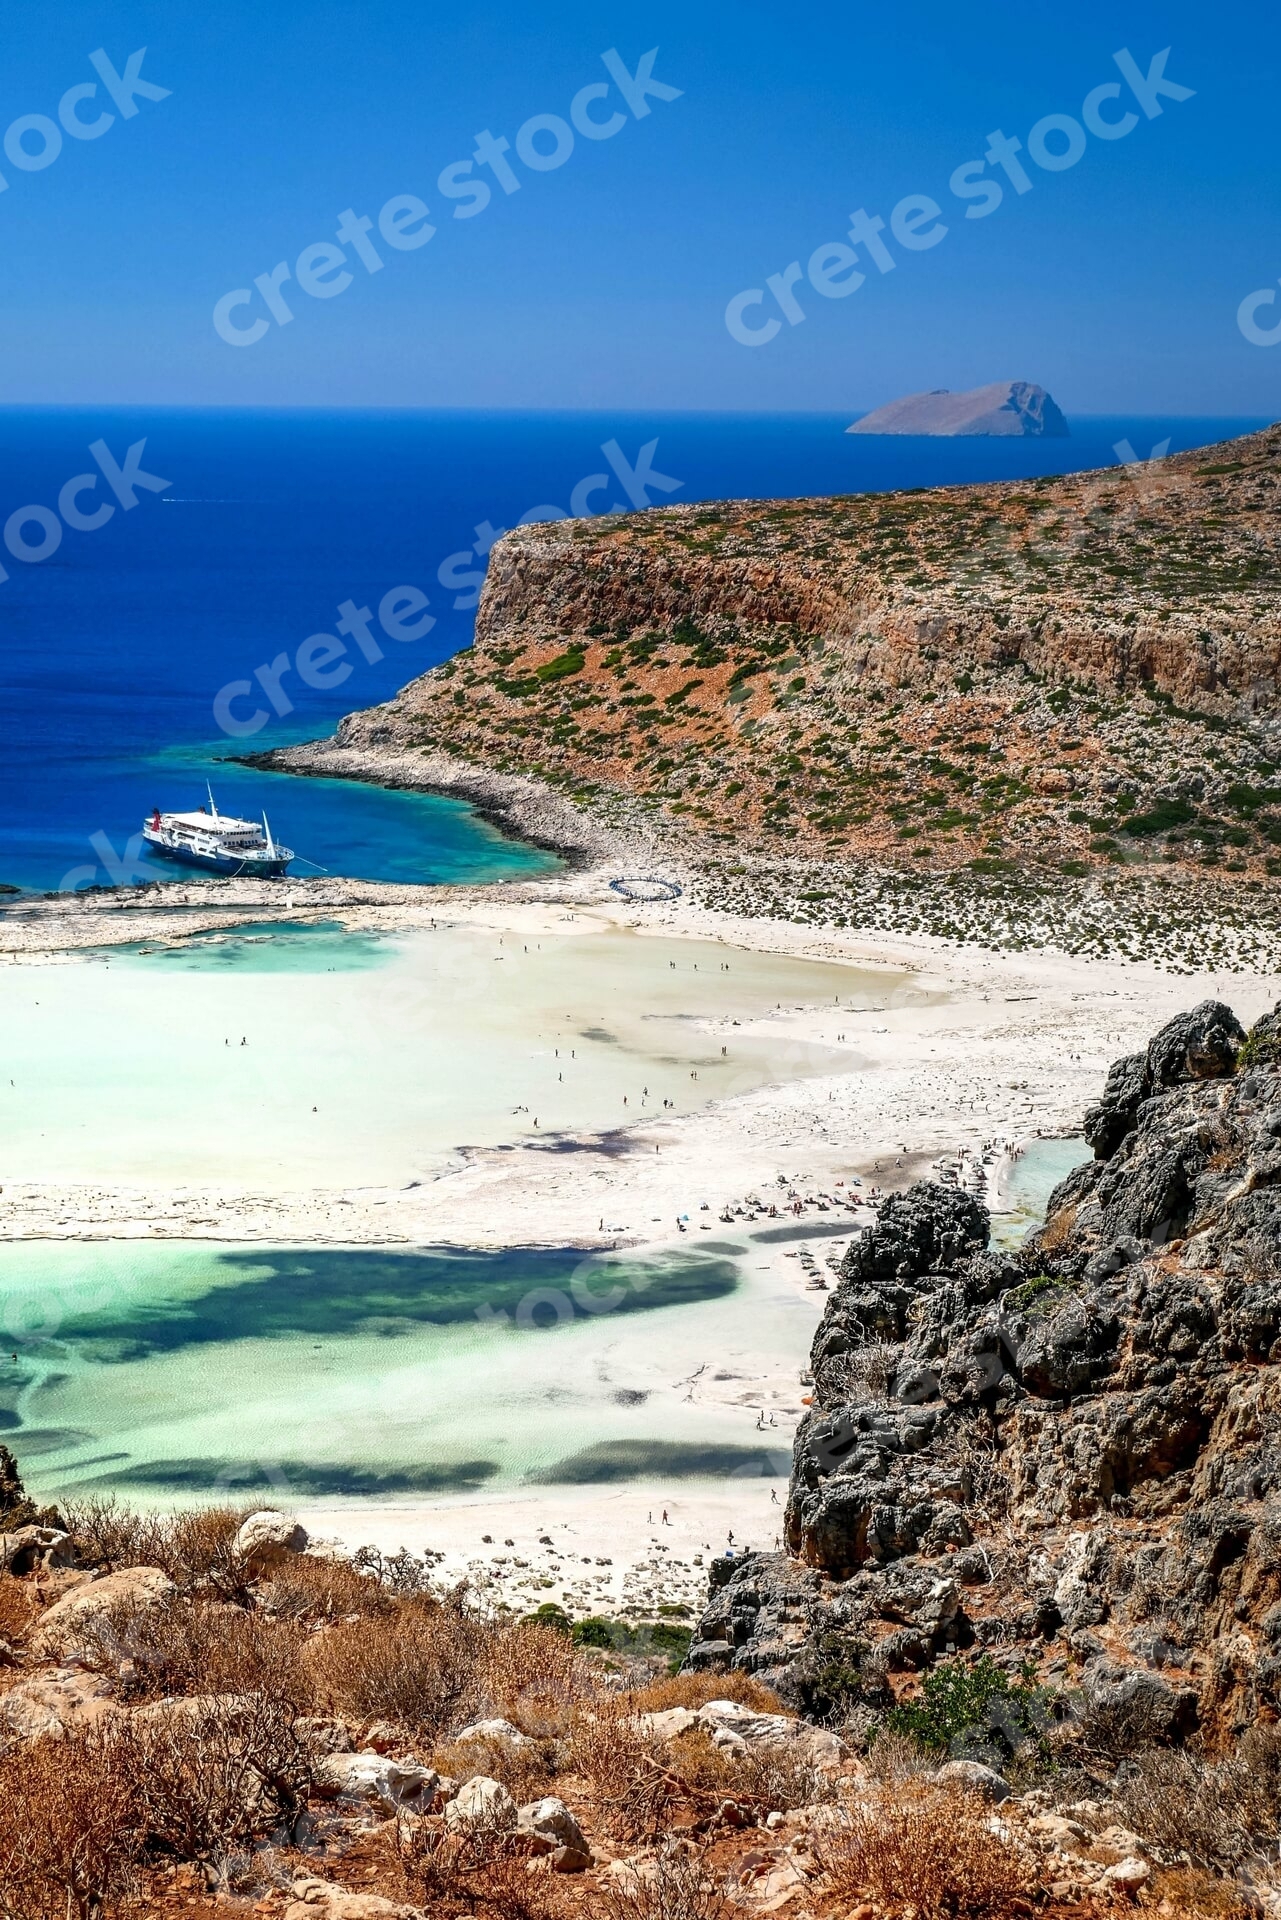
(646, 888)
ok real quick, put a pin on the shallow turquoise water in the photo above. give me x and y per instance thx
(278, 946)
(1029, 1184)
(170, 1371)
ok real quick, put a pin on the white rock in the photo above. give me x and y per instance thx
(551, 1821)
(372, 1776)
(494, 1730)
(52, 1703)
(29, 1547)
(321, 1900)
(974, 1776)
(668, 1725)
(264, 1535)
(142, 1589)
(735, 1729)
(1127, 1876)
(482, 1804)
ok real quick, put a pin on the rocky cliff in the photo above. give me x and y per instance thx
(1068, 1458)
(1080, 670)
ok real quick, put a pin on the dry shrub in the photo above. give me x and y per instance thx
(527, 1771)
(777, 1779)
(895, 1756)
(484, 1874)
(17, 1608)
(534, 1676)
(195, 1548)
(924, 1847)
(870, 1370)
(1058, 1230)
(418, 1666)
(694, 1690)
(304, 1586)
(1203, 1896)
(625, 1769)
(1210, 1814)
(72, 1824)
(218, 1774)
(680, 1885)
(765, 1779)
(194, 1647)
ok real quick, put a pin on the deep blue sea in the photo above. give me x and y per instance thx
(117, 645)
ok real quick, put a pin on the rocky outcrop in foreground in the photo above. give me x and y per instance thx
(1067, 1459)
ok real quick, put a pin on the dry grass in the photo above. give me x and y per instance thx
(1201, 1896)
(1209, 1814)
(535, 1677)
(481, 1874)
(72, 1825)
(694, 1690)
(417, 1667)
(17, 1608)
(893, 1757)
(917, 1845)
(303, 1586)
(195, 1548)
(679, 1885)
(1058, 1231)
(527, 1771)
(194, 1647)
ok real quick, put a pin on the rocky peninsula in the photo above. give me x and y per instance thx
(1032, 714)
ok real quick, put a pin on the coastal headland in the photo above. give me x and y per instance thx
(988, 776)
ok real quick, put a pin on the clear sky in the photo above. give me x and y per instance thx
(604, 281)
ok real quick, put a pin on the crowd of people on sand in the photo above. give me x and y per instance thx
(795, 1203)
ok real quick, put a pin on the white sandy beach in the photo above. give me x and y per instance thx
(846, 1057)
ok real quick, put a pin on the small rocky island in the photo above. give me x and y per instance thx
(1008, 409)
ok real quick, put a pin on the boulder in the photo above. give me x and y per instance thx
(264, 1536)
(482, 1805)
(738, 1729)
(92, 1606)
(322, 1900)
(1199, 1045)
(667, 1725)
(975, 1778)
(1128, 1875)
(29, 1548)
(389, 1784)
(551, 1824)
(494, 1730)
(54, 1703)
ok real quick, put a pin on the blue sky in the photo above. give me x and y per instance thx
(604, 282)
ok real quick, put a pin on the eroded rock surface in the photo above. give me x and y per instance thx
(1069, 1455)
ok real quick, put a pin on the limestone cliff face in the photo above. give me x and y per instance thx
(1170, 578)
(821, 673)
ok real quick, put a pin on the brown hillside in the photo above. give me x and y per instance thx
(1073, 671)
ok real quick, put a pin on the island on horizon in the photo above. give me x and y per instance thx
(1007, 409)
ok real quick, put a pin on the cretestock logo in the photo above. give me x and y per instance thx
(544, 142)
(322, 659)
(1055, 143)
(123, 481)
(33, 141)
(1248, 318)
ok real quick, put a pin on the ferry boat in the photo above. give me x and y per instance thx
(216, 842)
